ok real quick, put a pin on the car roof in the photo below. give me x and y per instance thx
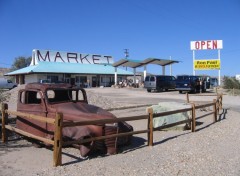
(44, 86)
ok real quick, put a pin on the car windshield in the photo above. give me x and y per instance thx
(64, 95)
(186, 78)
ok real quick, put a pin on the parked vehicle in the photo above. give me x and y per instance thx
(47, 99)
(159, 83)
(7, 84)
(189, 83)
(213, 82)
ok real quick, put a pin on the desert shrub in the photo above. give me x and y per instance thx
(230, 83)
(3, 96)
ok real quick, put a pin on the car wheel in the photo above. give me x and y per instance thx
(193, 91)
(149, 90)
(180, 91)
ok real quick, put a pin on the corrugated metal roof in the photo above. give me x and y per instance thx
(60, 67)
(138, 63)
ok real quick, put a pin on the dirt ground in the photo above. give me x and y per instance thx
(212, 150)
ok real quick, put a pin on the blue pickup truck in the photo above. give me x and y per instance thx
(189, 83)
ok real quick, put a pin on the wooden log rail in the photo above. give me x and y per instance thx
(219, 100)
(57, 142)
(59, 124)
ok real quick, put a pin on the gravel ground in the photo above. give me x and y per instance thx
(212, 150)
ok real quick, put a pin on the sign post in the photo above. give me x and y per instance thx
(193, 62)
(219, 71)
(207, 64)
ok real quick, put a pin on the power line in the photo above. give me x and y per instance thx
(4, 63)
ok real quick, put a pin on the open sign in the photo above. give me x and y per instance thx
(206, 45)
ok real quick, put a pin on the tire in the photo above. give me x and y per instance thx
(149, 90)
(194, 90)
(180, 91)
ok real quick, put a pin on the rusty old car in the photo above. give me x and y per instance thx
(47, 99)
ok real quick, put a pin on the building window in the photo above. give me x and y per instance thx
(81, 81)
(53, 79)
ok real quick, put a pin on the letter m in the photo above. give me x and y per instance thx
(40, 57)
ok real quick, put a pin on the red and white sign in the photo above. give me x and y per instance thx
(206, 45)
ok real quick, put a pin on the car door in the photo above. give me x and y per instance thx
(31, 102)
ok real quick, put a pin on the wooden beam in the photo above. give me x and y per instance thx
(127, 107)
(57, 149)
(48, 141)
(4, 107)
(82, 141)
(31, 116)
(103, 121)
(193, 117)
(172, 124)
(214, 110)
(171, 112)
(150, 127)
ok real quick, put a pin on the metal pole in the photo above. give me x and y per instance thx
(219, 71)
(193, 62)
(33, 58)
(170, 67)
(163, 70)
(134, 76)
(105, 81)
(145, 72)
(126, 55)
(115, 76)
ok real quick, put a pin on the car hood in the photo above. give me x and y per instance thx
(183, 81)
(81, 111)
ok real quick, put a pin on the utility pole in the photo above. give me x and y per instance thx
(126, 52)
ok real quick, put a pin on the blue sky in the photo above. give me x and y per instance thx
(148, 28)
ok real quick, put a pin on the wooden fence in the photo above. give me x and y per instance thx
(58, 143)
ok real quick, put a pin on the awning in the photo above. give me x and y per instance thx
(138, 63)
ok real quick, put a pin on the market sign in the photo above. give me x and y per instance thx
(69, 57)
(207, 64)
(206, 45)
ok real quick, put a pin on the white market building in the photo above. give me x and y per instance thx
(85, 70)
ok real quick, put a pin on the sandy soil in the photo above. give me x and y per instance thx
(212, 150)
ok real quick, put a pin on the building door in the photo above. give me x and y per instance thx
(72, 81)
(22, 79)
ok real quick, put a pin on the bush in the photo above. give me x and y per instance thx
(230, 83)
(3, 96)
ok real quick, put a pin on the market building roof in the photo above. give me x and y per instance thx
(60, 67)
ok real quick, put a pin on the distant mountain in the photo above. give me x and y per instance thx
(3, 71)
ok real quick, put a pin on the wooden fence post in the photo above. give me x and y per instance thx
(219, 104)
(193, 117)
(57, 153)
(150, 127)
(221, 97)
(215, 110)
(4, 107)
(187, 95)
